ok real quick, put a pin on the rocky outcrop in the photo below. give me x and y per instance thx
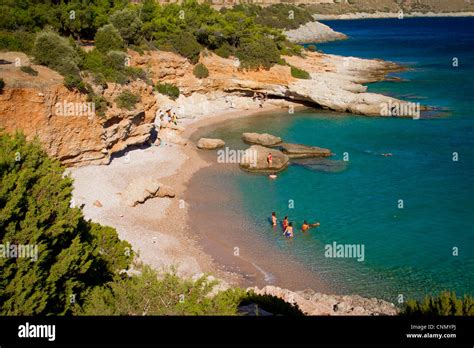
(210, 144)
(171, 134)
(165, 191)
(263, 139)
(313, 303)
(142, 189)
(303, 151)
(65, 122)
(313, 32)
(255, 160)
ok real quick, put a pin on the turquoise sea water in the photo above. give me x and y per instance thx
(408, 251)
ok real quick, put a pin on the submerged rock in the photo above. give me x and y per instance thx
(321, 164)
(303, 151)
(210, 144)
(255, 160)
(263, 139)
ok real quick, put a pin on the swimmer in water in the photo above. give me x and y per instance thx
(305, 227)
(387, 154)
(289, 230)
(274, 219)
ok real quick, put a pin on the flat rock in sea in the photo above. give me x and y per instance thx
(263, 139)
(318, 164)
(210, 144)
(255, 160)
(303, 151)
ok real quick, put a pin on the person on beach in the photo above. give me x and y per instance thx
(269, 159)
(289, 230)
(175, 119)
(307, 226)
(274, 219)
(168, 116)
(284, 223)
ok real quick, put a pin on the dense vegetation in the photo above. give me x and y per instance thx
(447, 303)
(74, 255)
(183, 28)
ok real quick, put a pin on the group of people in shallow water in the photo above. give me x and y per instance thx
(288, 226)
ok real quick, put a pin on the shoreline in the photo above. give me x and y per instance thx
(157, 229)
(376, 15)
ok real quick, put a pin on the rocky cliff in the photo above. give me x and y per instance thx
(41, 106)
(30, 103)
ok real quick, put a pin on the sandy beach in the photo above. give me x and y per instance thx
(159, 229)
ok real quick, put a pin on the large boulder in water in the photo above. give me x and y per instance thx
(255, 160)
(210, 144)
(263, 139)
(303, 151)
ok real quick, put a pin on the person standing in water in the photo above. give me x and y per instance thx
(274, 219)
(289, 230)
(284, 223)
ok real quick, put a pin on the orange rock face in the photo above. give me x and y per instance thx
(65, 122)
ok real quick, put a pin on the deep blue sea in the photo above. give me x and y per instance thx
(408, 251)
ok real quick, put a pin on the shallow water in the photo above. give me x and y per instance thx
(407, 250)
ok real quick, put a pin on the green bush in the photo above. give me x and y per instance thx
(29, 70)
(108, 39)
(116, 60)
(446, 303)
(311, 48)
(225, 51)
(200, 71)
(17, 41)
(186, 45)
(168, 89)
(100, 103)
(2, 85)
(55, 52)
(299, 73)
(258, 53)
(74, 255)
(127, 100)
(75, 83)
(128, 24)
